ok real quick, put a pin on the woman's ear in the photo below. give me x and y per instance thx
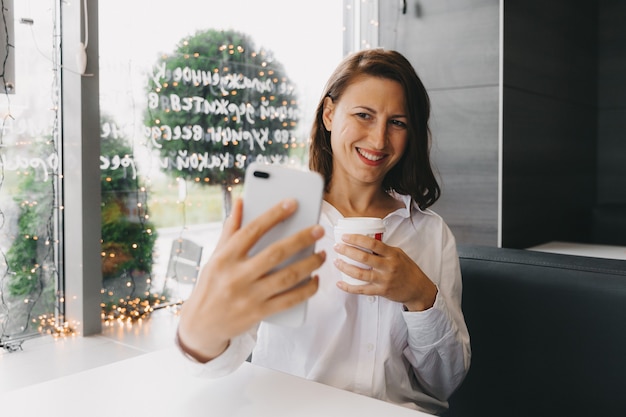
(327, 113)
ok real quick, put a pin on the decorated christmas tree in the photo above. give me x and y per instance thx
(216, 104)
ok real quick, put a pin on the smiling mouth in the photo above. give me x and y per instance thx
(374, 157)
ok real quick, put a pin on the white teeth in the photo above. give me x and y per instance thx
(369, 156)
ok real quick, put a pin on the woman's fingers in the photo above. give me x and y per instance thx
(288, 278)
(362, 249)
(365, 242)
(290, 298)
(232, 223)
(280, 251)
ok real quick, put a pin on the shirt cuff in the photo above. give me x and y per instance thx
(430, 326)
(229, 361)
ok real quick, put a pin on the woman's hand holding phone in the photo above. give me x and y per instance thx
(236, 291)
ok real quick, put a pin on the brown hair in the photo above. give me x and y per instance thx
(413, 174)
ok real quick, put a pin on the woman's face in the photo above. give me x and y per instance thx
(368, 126)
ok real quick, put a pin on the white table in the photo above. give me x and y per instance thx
(160, 384)
(583, 249)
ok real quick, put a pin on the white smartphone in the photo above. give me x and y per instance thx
(265, 185)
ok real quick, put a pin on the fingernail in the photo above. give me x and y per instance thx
(317, 231)
(289, 203)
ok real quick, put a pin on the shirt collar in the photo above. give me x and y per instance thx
(403, 212)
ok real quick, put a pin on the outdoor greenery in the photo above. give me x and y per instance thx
(128, 237)
(31, 263)
(128, 240)
(30, 249)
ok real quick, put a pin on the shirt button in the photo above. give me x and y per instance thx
(371, 299)
(370, 347)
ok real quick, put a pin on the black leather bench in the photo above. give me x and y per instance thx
(548, 335)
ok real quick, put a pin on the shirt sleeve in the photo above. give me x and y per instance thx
(438, 340)
(238, 350)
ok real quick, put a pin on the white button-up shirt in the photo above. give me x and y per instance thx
(368, 344)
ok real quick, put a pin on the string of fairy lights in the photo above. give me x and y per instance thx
(55, 324)
(43, 279)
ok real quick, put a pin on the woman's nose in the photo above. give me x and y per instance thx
(379, 135)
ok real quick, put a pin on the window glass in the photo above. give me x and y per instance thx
(29, 171)
(191, 92)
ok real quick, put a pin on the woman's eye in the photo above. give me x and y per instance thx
(398, 123)
(363, 115)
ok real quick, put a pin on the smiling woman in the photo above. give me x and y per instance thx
(377, 338)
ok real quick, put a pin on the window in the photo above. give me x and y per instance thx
(154, 197)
